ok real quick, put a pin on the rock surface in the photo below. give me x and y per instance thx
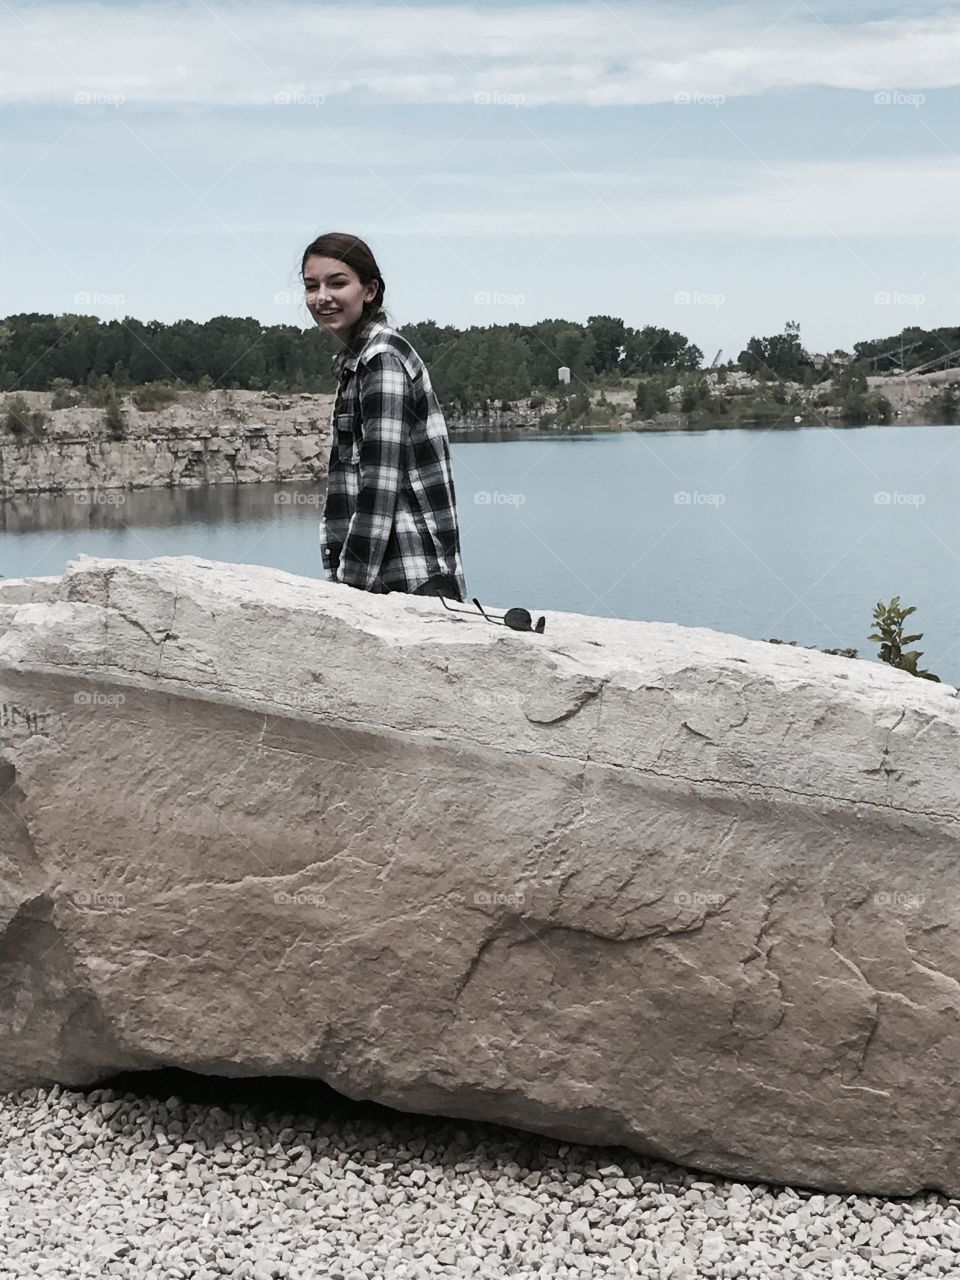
(623, 882)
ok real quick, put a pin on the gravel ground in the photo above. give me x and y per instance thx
(109, 1182)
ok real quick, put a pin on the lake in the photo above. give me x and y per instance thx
(791, 533)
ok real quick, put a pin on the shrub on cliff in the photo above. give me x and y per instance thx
(19, 419)
(945, 405)
(154, 395)
(65, 394)
(651, 397)
(114, 419)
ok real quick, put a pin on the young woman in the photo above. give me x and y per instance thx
(390, 519)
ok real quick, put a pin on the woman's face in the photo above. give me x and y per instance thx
(334, 294)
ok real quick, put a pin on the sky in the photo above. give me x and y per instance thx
(717, 169)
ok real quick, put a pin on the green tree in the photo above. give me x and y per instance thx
(576, 350)
(695, 393)
(652, 348)
(651, 397)
(610, 338)
(779, 356)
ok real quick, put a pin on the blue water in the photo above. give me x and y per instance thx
(782, 534)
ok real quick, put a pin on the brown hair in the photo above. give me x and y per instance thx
(356, 253)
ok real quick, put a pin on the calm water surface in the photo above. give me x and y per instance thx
(787, 533)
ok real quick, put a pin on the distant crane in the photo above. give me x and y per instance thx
(716, 359)
(900, 350)
(923, 368)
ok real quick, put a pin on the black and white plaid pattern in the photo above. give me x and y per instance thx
(390, 519)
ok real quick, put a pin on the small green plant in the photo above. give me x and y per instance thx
(65, 395)
(19, 419)
(573, 409)
(694, 394)
(888, 619)
(205, 383)
(153, 395)
(602, 410)
(98, 391)
(114, 419)
(945, 405)
(651, 397)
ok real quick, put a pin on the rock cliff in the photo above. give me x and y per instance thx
(211, 437)
(207, 438)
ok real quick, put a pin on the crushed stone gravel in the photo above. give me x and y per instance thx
(97, 1183)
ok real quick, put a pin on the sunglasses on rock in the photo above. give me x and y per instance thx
(515, 619)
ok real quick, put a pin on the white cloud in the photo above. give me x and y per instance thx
(848, 201)
(592, 54)
(795, 199)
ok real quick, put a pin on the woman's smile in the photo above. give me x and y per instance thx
(323, 276)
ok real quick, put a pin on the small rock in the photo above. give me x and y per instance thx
(522, 1205)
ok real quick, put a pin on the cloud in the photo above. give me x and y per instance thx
(298, 56)
(889, 197)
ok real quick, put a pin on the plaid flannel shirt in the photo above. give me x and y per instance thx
(390, 519)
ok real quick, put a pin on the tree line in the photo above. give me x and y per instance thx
(468, 367)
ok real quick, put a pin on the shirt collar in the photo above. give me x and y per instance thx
(343, 361)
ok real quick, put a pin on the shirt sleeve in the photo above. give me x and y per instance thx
(387, 410)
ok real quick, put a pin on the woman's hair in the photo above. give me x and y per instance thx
(356, 253)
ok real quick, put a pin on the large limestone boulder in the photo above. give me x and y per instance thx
(621, 882)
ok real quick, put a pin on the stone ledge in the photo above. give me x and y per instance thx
(624, 882)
